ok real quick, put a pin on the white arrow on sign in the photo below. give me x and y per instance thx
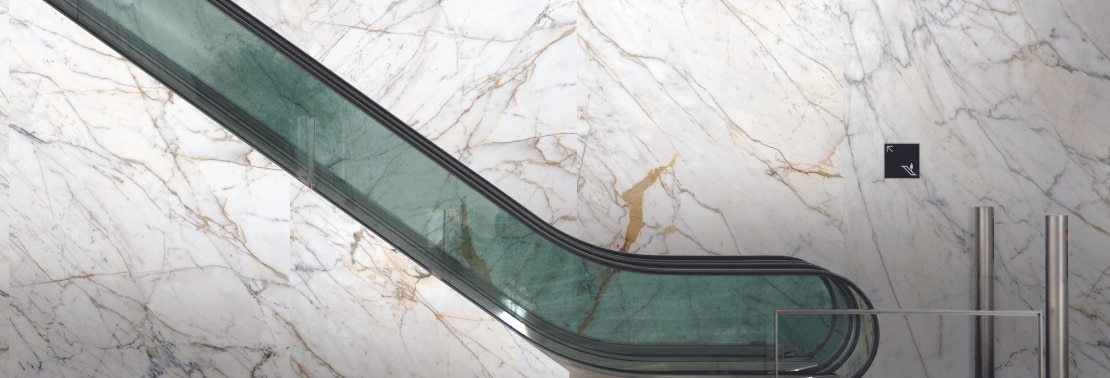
(889, 148)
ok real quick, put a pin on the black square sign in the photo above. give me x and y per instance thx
(902, 160)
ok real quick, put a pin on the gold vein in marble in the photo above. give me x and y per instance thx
(634, 197)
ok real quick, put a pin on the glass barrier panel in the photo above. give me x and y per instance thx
(920, 343)
(565, 293)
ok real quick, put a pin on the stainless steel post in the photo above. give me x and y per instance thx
(984, 335)
(1056, 296)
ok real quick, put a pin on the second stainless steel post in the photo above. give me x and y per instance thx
(984, 249)
(1056, 295)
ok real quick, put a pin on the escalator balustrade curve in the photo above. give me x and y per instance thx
(588, 306)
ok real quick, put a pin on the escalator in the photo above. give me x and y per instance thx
(586, 306)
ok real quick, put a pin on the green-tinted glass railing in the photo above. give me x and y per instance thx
(595, 307)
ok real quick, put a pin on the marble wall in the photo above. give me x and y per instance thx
(5, 246)
(750, 127)
(1008, 100)
(696, 127)
(756, 127)
(146, 240)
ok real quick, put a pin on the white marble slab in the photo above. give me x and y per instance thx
(740, 106)
(5, 246)
(150, 241)
(145, 233)
(5, 83)
(1007, 100)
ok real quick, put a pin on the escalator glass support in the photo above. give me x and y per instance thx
(598, 308)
